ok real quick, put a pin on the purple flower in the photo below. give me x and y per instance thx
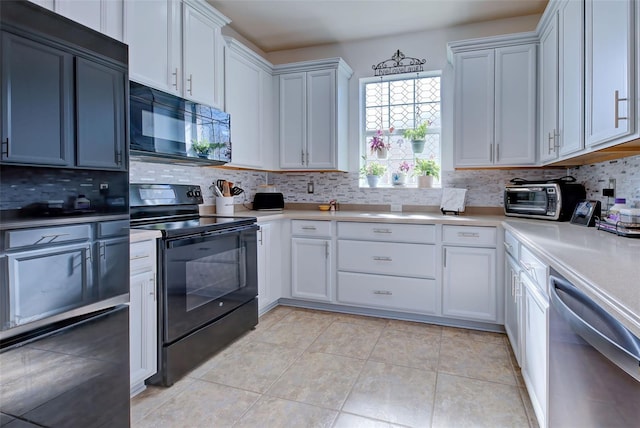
(404, 167)
(377, 142)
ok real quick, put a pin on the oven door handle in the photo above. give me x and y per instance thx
(211, 235)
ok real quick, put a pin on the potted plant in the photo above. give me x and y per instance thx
(425, 170)
(373, 171)
(202, 148)
(400, 178)
(378, 146)
(417, 136)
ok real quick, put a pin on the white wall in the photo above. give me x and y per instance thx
(430, 45)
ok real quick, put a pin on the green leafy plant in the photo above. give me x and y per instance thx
(201, 147)
(426, 167)
(417, 133)
(372, 168)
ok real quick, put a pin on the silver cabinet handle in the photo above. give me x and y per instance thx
(308, 228)
(491, 152)
(152, 281)
(175, 75)
(260, 239)
(468, 234)
(617, 109)
(4, 152)
(302, 157)
(552, 137)
(497, 152)
(507, 246)
(307, 158)
(382, 231)
(444, 257)
(383, 292)
(190, 80)
(52, 237)
(382, 259)
(138, 257)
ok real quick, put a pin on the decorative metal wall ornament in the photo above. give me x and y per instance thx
(398, 64)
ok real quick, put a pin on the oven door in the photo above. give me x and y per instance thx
(206, 277)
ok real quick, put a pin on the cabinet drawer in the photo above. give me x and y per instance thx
(311, 228)
(389, 258)
(537, 271)
(404, 294)
(511, 245)
(142, 255)
(469, 235)
(418, 233)
(47, 235)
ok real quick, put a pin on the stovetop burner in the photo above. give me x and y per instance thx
(562, 180)
(173, 210)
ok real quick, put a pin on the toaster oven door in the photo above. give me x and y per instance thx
(526, 200)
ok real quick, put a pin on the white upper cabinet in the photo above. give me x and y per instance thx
(177, 47)
(313, 110)
(562, 82)
(495, 101)
(611, 74)
(248, 99)
(549, 91)
(104, 16)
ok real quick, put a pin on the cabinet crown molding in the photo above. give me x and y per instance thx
(321, 64)
(248, 54)
(491, 43)
(212, 13)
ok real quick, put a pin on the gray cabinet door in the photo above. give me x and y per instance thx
(37, 88)
(113, 267)
(100, 116)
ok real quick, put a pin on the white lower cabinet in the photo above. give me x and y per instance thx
(469, 283)
(269, 265)
(383, 266)
(311, 255)
(311, 268)
(388, 292)
(513, 305)
(535, 352)
(470, 286)
(143, 319)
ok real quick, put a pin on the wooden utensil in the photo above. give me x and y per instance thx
(225, 189)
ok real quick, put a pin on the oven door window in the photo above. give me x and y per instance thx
(206, 277)
(528, 201)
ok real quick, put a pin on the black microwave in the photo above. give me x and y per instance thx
(548, 201)
(165, 126)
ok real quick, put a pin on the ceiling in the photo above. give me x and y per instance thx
(274, 25)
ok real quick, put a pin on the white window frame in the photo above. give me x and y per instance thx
(365, 135)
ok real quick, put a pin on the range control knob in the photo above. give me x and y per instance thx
(190, 193)
(197, 193)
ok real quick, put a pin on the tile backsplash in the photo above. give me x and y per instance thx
(625, 171)
(484, 186)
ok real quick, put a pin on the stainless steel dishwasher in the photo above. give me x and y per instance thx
(594, 363)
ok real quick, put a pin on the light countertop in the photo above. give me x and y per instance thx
(137, 235)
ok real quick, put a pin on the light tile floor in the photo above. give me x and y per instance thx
(305, 368)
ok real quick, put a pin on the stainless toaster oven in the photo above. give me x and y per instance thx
(553, 200)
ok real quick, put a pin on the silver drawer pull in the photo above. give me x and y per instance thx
(382, 231)
(508, 246)
(469, 234)
(308, 228)
(383, 292)
(51, 237)
(382, 259)
(144, 256)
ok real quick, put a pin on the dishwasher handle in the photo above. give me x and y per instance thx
(618, 345)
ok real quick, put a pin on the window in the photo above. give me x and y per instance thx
(392, 105)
